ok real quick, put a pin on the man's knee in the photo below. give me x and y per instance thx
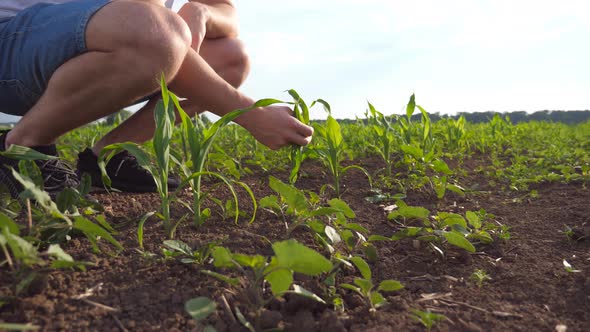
(152, 36)
(228, 57)
(240, 60)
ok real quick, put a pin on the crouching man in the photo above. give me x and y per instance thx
(66, 63)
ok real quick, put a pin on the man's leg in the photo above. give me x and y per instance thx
(130, 44)
(226, 56)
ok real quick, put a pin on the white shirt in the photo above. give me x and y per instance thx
(9, 8)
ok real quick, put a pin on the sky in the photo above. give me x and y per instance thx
(455, 55)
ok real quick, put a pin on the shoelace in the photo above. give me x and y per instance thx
(58, 175)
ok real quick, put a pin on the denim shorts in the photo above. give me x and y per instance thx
(34, 44)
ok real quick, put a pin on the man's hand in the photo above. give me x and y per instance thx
(220, 18)
(197, 17)
(275, 127)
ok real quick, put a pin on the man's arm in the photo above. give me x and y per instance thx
(221, 16)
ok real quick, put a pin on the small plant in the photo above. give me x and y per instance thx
(427, 318)
(165, 119)
(26, 261)
(278, 271)
(200, 308)
(176, 248)
(479, 276)
(364, 286)
(331, 155)
(296, 209)
(448, 228)
(196, 143)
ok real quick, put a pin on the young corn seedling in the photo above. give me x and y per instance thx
(197, 141)
(298, 153)
(385, 136)
(364, 286)
(165, 119)
(301, 113)
(331, 154)
(479, 276)
(278, 271)
(427, 318)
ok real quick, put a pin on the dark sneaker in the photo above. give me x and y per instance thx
(125, 172)
(57, 175)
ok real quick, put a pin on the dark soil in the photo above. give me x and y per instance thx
(530, 289)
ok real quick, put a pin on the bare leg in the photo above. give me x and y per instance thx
(131, 43)
(123, 64)
(225, 55)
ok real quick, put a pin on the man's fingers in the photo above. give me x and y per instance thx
(295, 138)
(302, 129)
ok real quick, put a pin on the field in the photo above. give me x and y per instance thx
(386, 223)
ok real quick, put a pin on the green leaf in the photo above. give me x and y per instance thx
(92, 231)
(411, 107)
(243, 320)
(6, 222)
(140, 226)
(364, 284)
(357, 228)
(30, 170)
(473, 219)
(441, 167)
(56, 251)
(456, 189)
(449, 219)
(408, 232)
(333, 132)
(18, 327)
(343, 207)
(294, 198)
(222, 257)
(179, 246)
(270, 202)
(305, 293)
(350, 287)
(298, 258)
(371, 252)
(481, 236)
(390, 286)
(324, 211)
(40, 196)
(377, 299)
(413, 151)
(21, 249)
(459, 240)
(375, 238)
(85, 184)
(280, 281)
(362, 266)
(67, 199)
(251, 261)
(199, 308)
(24, 153)
(219, 276)
(410, 212)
